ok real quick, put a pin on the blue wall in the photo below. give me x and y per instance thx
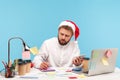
(37, 20)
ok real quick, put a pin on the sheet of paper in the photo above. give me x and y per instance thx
(82, 76)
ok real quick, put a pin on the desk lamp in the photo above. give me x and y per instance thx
(25, 55)
(26, 48)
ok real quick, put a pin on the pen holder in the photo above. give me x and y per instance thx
(28, 66)
(16, 61)
(21, 68)
(9, 72)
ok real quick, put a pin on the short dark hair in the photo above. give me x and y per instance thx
(67, 28)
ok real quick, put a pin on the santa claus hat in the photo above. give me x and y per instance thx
(74, 27)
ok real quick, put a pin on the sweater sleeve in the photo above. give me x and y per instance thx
(41, 56)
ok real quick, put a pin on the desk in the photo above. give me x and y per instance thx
(35, 74)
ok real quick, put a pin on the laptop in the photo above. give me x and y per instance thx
(102, 61)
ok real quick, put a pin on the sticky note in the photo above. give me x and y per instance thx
(34, 50)
(26, 55)
(105, 61)
(95, 54)
(108, 53)
(82, 76)
(72, 77)
(51, 73)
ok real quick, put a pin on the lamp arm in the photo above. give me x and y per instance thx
(9, 46)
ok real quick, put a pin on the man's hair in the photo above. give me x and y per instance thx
(67, 28)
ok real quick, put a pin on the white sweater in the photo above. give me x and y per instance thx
(56, 54)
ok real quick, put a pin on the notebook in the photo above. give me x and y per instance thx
(102, 61)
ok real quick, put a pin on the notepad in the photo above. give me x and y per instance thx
(77, 69)
(29, 77)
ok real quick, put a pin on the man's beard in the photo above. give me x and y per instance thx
(62, 41)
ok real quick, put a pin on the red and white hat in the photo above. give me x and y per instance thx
(74, 27)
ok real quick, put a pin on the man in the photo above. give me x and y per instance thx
(60, 51)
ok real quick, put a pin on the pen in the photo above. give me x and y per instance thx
(44, 58)
(5, 65)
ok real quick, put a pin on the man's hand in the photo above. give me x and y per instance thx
(44, 65)
(77, 60)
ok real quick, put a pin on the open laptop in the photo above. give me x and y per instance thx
(102, 61)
